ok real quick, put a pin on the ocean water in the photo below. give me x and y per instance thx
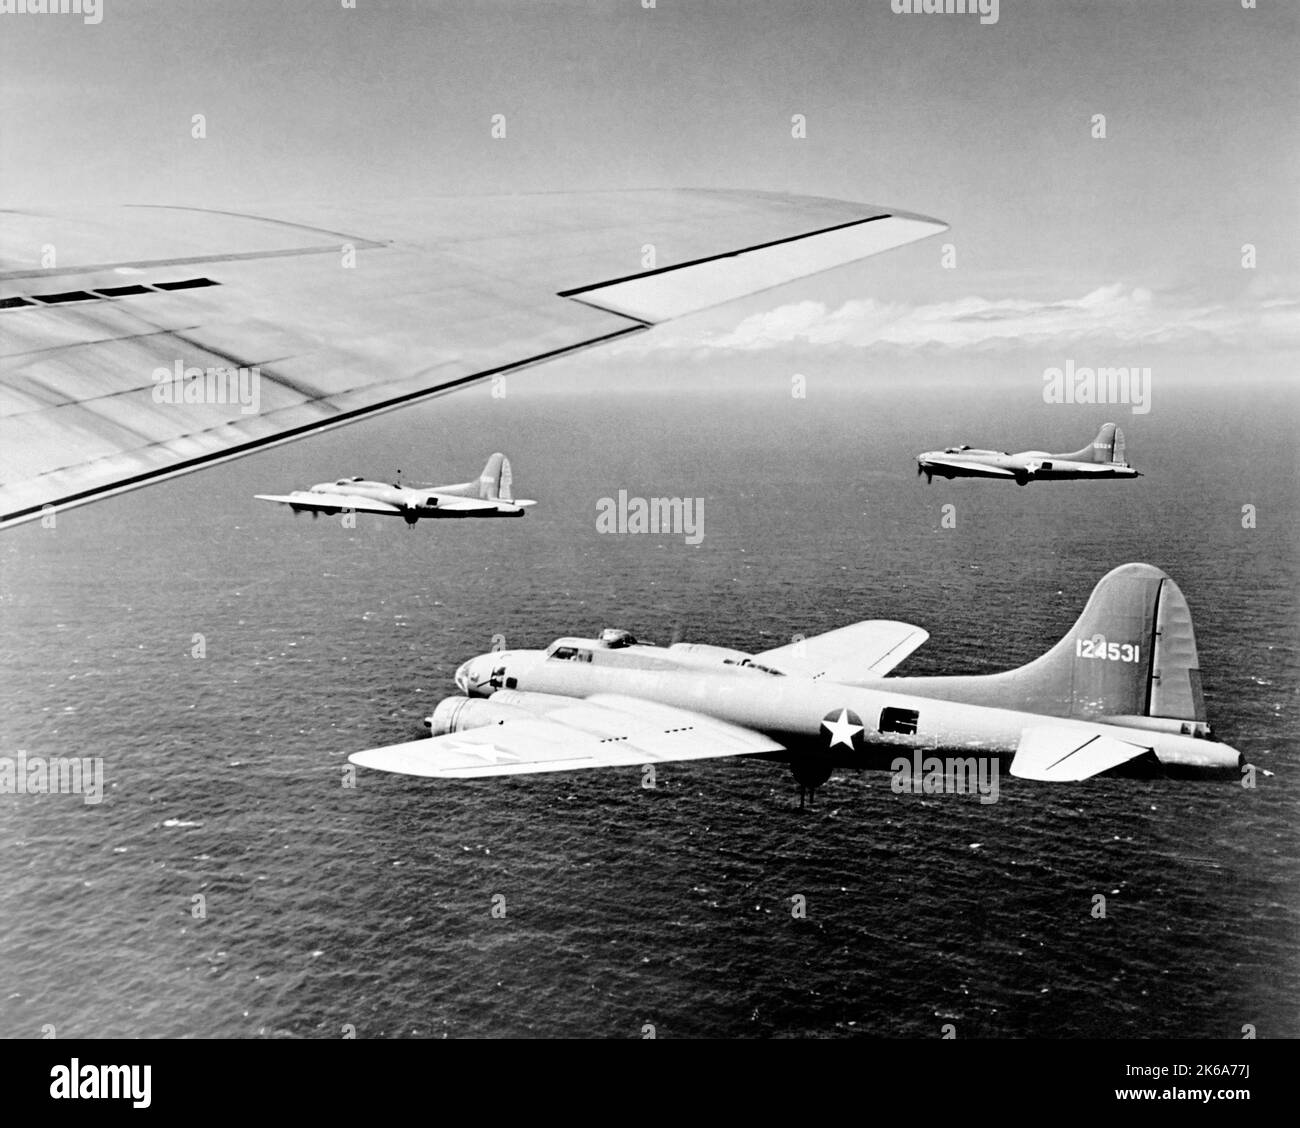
(372, 907)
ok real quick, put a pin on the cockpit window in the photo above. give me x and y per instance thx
(565, 653)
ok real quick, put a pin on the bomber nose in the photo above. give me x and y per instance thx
(474, 675)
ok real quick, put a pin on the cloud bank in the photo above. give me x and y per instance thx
(1114, 314)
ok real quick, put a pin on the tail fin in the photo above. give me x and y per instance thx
(496, 481)
(1108, 446)
(1132, 653)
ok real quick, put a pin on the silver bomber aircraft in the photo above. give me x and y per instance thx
(1120, 694)
(1103, 458)
(487, 496)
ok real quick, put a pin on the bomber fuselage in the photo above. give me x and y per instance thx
(851, 726)
(1030, 464)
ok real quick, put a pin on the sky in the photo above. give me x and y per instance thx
(1058, 235)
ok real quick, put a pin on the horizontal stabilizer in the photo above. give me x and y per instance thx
(1063, 754)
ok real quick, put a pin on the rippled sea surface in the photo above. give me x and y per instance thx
(372, 906)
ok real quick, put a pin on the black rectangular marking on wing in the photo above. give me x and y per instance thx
(121, 291)
(66, 296)
(105, 292)
(186, 284)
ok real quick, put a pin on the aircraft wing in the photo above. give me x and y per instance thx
(851, 655)
(601, 731)
(1059, 754)
(331, 503)
(137, 343)
(977, 468)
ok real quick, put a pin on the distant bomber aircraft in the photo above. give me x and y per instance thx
(1120, 693)
(1103, 459)
(488, 496)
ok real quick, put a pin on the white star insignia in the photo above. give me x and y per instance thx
(1032, 466)
(843, 730)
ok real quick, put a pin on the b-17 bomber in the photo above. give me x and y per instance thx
(1120, 694)
(1102, 458)
(489, 495)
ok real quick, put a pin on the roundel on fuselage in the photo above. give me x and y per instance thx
(843, 728)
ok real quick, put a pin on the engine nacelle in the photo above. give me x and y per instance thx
(460, 714)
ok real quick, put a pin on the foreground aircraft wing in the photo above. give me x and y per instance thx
(605, 730)
(850, 655)
(1057, 754)
(331, 503)
(137, 343)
